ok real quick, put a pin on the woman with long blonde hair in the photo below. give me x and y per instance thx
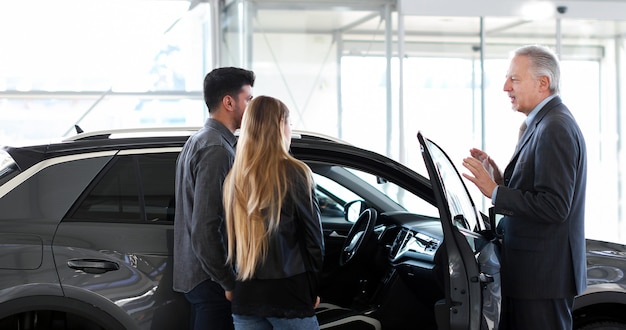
(275, 240)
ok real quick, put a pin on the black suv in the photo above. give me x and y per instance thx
(86, 230)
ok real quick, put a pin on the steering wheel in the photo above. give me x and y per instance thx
(359, 234)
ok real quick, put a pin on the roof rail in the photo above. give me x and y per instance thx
(298, 134)
(132, 132)
(174, 131)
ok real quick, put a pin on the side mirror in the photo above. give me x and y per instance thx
(494, 223)
(353, 209)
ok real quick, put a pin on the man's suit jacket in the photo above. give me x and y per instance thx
(543, 200)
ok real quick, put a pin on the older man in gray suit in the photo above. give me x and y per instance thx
(542, 197)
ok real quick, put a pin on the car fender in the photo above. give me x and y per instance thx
(76, 301)
(25, 291)
(601, 294)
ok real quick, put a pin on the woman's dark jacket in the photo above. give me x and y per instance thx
(298, 244)
(285, 284)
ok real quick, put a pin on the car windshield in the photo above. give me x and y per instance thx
(462, 208)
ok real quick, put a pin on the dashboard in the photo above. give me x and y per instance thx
(413, 244)
(413, 265)
(417, 239)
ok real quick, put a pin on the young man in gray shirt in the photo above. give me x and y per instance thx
(200, 269)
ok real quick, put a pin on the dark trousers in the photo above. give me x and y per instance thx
(532, 314)
(209, 307)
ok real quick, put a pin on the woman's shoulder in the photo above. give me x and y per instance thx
(298, 174)
(296, 167)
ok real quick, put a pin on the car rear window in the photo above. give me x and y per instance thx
(8, 167)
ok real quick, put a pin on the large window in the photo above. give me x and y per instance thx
(98, 64)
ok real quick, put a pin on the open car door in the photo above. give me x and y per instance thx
(472, 282)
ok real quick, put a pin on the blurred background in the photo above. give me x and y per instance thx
(371, 72)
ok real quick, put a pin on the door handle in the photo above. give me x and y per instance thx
(486, 278)
(93, 266)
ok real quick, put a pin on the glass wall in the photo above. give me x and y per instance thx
(296, 53)
(100, 65)
(353, 69)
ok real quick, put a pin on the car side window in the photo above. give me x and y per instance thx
(158, 176)
(330, 204)
(134, 188)
(341, 185)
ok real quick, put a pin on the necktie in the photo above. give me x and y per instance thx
(521, 131)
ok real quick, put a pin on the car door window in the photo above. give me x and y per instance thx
(134, 188)
(408, 200)
(157, 175)
(461, 207)
(340, 185)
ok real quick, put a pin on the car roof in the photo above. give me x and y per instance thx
(127, 138)
(307, 146)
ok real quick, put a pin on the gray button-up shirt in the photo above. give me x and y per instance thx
(199, 231)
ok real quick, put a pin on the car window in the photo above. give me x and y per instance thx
(7, 166)
(462, 209)
(134, 188)
(330, 206)
(334, 191)
(140, 188)
(340, 185)
(158, 175)
(409, 201)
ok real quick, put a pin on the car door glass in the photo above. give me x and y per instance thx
(114, 196)
(462, 209)
(343, 184)
(330, 205)
(408, 200)
(158, 175)
(135, 188)
(334, 191)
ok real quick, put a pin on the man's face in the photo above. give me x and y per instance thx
(523, 89)
(241, 102)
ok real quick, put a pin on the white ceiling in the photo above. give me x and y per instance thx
(368, 22)
(573, 9)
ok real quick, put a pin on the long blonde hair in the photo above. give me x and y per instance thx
(257, 183)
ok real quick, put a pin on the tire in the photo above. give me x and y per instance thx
(608, 325)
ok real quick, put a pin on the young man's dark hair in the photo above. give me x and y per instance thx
(225, 81)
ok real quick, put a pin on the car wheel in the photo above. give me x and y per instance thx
(604, 326)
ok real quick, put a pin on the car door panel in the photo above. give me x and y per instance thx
(335, 230)
(132, 270)
(464, 282)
